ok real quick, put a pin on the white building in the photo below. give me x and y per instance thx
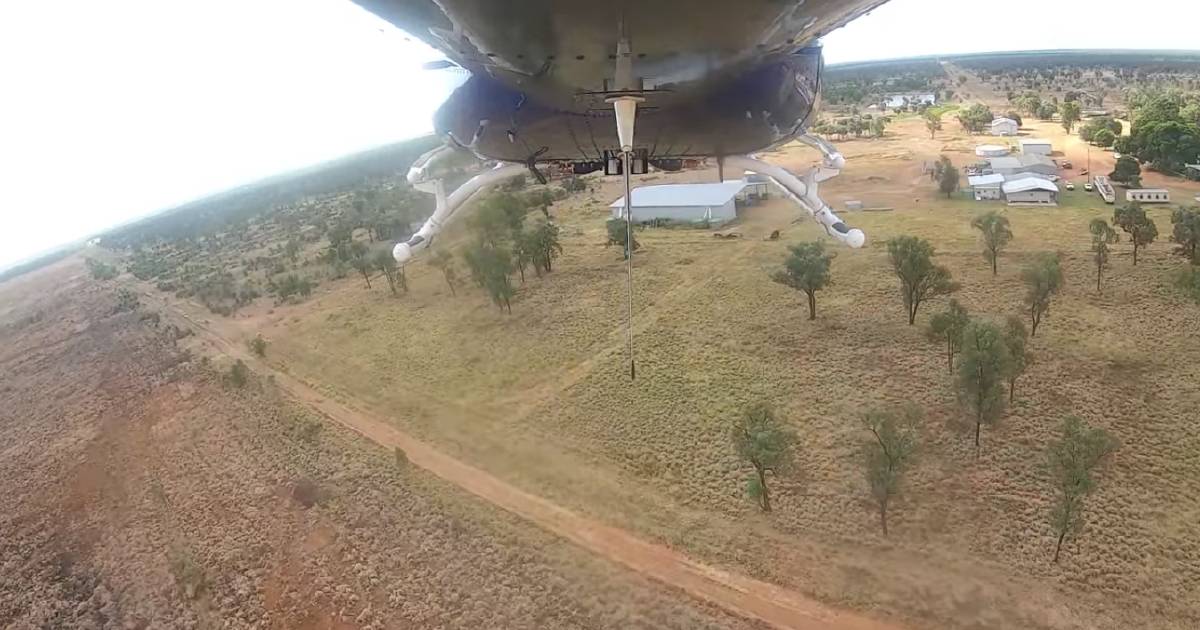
(1037, 147)
(1030, 191)
(892, 101)
(684, 203)
(991, 150)
(986, 187)
(1148, 195)
(1018, 164)
(1004, 127)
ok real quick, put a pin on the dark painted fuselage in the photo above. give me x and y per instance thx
(719, 77)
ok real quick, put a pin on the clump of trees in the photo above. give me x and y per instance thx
(933, 121)
(887, 454)
(1089, 131)
(920, 278)
(806, 269)
(946, 175)
(761, 440)
(1163, 135)
(101, 270)
(1043, 280)
(127, 301)
(383, 261)
(1072, 459)
(995, 232)
(1127, 171)
(504, 244)
(976, 118)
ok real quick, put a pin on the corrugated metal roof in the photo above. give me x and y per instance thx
(985, 180)
(1028, 183)
(1004, 121)
(683, 195)
(1020, 161)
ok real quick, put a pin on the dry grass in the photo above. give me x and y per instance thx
(540, 397)
(142, 494)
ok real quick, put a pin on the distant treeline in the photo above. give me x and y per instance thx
(1148, 61)
(37, 263)
(208, 214)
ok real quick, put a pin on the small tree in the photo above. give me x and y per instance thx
(1044, 280)
(1016, 337)
(617, 236)
(1104, 138)
(933, 122)
(1140, 228)
(386, 264)
(1047, 110)
(1186, 233)
(1069, 112)
(981, 374)
(443, 261)
(1071, 459)
(888, 453)
(806, 269)
(993, 228)
(258, 346)
(947, 176)
(920, 278)
(760, 439)
(1102, 236)
(1127, 171)
(947, 328)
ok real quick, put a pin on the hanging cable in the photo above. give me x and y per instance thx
(627, 160)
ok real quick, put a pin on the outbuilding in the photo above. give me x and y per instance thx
(1030, 191)
(1018, 164)
(1036, 147)
(715, 203)
(991, 150)
(986, 187)
(1148, 195)
(1004, 127)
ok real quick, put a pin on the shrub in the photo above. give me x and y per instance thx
(258, 346)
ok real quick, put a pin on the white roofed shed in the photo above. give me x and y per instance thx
(685, 203)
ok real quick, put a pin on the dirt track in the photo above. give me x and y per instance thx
(748, 597)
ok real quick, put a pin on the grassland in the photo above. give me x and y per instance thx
(541, 398)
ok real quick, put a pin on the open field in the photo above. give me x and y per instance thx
(540, 398)
(138, 471)
(144, 494)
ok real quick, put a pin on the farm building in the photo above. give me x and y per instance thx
(1017, 164)
(1030, 190)
(684, 203)
(1148, 195)
(986, 187)
(991, 150)
(1036, 147)
(1004, 127)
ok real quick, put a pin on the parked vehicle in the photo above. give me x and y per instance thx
(1070, 185)
(1067, 164)
(1088, 186)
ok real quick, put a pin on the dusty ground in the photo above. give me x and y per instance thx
(540, 399)
(141, 493)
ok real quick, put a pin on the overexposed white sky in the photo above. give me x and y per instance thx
(111, 110)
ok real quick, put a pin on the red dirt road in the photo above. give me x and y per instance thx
(741, 595)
